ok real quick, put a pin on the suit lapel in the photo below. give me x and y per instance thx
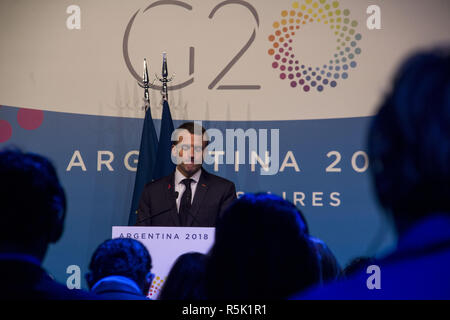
(200, 192)
(171, 200)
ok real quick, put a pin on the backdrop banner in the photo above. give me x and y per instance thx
(286, 89)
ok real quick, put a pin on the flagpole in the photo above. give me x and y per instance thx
(164, 78)
(145, 85)
(164, 164)
(147, 152)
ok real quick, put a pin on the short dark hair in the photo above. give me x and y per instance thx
(193, 128)
(32, 201)
(121, 257)
(358, 264)
(329, 266)
(186, 279)
(260, 251)
(409, 139)
(304, 222)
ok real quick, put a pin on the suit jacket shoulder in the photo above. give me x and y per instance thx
(157, 205)
(213, 196)
(216, 178)
(160, 183)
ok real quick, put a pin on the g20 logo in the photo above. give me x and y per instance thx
(219, 74)
(342, 61)
(292, 69)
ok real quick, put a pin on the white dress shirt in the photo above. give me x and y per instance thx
(180, 187)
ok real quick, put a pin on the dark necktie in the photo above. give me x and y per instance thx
(185, 202)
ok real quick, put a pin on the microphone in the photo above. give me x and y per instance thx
(177, 194)
(152, 216)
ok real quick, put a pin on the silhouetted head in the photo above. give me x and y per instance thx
(261, 251)
(186, 280)
(121, 257)
(330, 269)
(32, 202)
(357, 265)
(409, 140)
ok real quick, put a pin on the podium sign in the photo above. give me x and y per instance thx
(165, 245)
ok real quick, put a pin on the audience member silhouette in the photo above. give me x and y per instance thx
(409, 152)
(330, 270)
(186, 280)
(120, 270)
(32, 209)
(359, 264)
(260, 251)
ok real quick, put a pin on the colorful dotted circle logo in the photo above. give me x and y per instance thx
(155, 287)
(342, 60)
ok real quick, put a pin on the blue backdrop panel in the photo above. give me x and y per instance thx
(99, 198)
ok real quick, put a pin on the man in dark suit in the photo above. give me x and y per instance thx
(120, 270)
(32, 212)
(190, 196)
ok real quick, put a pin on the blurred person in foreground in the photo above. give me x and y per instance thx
(120, 270)
(330, 270)
(409, 150)
(357, 265)
(260, 251)
(186, 279)
(32, 214)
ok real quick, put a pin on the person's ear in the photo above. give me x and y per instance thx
(147, 283)
(174, 155)
(174, 150)
(149, 278)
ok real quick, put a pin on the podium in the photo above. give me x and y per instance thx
(165, 245)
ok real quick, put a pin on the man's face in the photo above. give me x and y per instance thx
(189, 152)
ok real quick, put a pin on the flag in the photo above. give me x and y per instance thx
(164, 165)
(146, 163)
